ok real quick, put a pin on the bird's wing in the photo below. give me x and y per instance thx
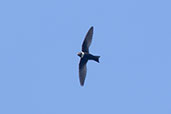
(87, 40)
(82, 70)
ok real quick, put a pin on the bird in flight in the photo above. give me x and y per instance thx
(85, 56)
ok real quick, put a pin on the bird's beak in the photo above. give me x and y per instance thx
(79, 54)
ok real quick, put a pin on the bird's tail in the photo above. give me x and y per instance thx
(97, 58)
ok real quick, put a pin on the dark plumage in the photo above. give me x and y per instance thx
(85, 56)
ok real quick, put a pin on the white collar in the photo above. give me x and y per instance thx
(82, 54)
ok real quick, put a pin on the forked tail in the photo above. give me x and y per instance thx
(97, 58)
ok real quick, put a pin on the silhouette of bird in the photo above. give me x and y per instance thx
(85, 56)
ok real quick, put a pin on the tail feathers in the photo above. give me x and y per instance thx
(97, 58)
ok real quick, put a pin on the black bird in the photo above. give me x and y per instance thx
(85, 56)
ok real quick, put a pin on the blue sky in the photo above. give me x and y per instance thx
(39, 40)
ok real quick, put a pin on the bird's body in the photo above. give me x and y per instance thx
(85, 56)
(88, 56)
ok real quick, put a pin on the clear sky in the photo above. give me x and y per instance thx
(39, 40)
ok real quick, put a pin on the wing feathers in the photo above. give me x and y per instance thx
(87, 41)
(82, 70)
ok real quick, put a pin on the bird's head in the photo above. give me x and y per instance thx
(80, 54)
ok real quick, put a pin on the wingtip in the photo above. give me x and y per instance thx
(91, 27)
(82, 84)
